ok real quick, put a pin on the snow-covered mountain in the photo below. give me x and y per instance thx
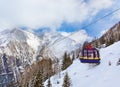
(86, 75)
(79, 36)
(58, 44)
(20, 36)
(109, 37)
(19, 44)
(16, 42)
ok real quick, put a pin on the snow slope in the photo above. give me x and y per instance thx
(86, 75)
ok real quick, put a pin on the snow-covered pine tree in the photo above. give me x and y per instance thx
(49, 83)
(118, 63)
(66, 61)
(109, 63)
(69, 61)
(67, 82)
(73, 56)
(39, 80)
(57, 68)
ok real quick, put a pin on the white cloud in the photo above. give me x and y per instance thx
(116, 15)
(97, 5)
(6, 25)
(49, 13)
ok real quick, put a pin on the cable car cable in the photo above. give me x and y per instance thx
(87, 25)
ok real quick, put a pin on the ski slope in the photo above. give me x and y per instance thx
(86, 75)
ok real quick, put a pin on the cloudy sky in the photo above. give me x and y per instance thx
(59, 15)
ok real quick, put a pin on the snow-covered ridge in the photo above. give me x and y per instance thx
(20, 44)
(85, 75)
(109, 37)
(56, 43)
(20, 36)
(79, 36)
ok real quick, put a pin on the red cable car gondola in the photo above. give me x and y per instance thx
(89, 55)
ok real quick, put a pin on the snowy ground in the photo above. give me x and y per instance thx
(103, 75)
